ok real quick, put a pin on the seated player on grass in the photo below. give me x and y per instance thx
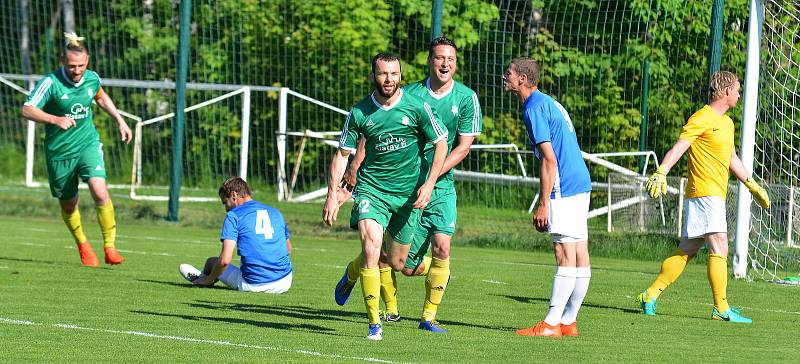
(259, 233)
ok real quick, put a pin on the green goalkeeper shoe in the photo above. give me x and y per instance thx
(730, 315)
(648, 304)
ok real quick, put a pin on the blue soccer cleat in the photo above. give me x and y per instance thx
(648, 304)
(375, 332)
(343, 289)
(731, 315)
(432, 326)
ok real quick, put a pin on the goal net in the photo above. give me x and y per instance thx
(774, 252)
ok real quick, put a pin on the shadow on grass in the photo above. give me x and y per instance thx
(51, 262)
(239, 321)
(522, 299)
(182, 284)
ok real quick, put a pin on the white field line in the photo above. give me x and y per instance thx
(491, 281)
(189, 339)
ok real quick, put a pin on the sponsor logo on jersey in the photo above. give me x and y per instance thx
(78, 111)
(64, 97)
(370, 122)
(454, 110)
(387, 142)
(98, 168)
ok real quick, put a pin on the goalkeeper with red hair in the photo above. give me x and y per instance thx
(708, 136)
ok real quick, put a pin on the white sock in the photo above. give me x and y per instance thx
(563, 285)
(582, 277)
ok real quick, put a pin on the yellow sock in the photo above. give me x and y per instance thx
(354, 269)
(671, 269)
(718, 278)
(108, 226)
(426, 262)
(435, 284)
(371, 288)
(73, 222)
(389, 289)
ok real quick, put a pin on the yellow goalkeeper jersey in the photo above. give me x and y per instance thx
(711, 136)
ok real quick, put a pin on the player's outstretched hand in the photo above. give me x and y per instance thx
(657, 184)
(329, 211)
(759, 194)
(125, 132)
(423, 196)
(63, 122)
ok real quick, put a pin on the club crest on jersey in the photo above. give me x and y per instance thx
(387, 142)
(454, 110)
(405, 120)
(90, 92)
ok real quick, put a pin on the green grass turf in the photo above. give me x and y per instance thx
(54, 310)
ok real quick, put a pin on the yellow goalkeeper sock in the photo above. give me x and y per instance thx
(718, 278)
(426, 263)
(389, 289)
(354, 269)
(435, 284)
(371, 289)
(108, 226)
(73, 222)
(671, 269)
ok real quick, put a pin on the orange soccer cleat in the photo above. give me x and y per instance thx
(87, 255)
(570, 330)
(113, 257)
(541, 329)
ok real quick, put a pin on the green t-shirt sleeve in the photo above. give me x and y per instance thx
(470, 121)
(431, 124)
(40, 94)
(349, 138)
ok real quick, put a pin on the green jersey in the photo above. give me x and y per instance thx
(395, 137)
(459, 111)
(57, 95)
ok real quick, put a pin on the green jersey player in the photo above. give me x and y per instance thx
(62, 101)
(396, 126)
(459, 110)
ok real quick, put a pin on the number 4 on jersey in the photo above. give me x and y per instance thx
(263, 225)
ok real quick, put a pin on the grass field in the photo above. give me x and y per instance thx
(54, 310)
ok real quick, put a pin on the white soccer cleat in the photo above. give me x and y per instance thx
(189, 272)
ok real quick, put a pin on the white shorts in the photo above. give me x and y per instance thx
(232, 277)
(568, 217)
(704, 215)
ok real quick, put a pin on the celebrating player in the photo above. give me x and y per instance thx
(62, 101)
(708, 135)
(396, 126)
(563, 205)
(459, 110)
(262, 238)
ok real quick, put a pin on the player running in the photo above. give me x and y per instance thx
(708, 135)
(563, 205)
(388, 198)
(459, 110)
(62, 101)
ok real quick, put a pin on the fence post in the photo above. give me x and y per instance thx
(283, 102)
(790, 218)
(178, 126)
(643, 125)
(436, 19)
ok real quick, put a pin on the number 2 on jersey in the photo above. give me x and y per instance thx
(363, 206)
(263, 225)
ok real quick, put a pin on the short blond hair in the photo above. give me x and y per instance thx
(720, 82)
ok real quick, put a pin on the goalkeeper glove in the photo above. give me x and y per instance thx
(657, 184)
(759, 194)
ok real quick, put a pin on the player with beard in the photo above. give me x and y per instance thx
(459, 110)
(388, 198)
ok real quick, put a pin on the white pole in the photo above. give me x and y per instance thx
(243, 154)
(748, 136)
(29, 148)
(790, 218)
(608, 216)
(282, 115)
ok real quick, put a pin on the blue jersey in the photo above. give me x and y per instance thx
(260, 234)
(547, 121)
